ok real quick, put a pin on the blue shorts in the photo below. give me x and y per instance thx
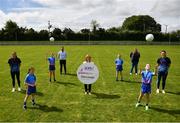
(146, 88)
(51, 67)
(119, 68)
(31, 90)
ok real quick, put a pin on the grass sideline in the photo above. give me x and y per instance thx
(64, 100)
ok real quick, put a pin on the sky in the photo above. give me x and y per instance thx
(77, 14)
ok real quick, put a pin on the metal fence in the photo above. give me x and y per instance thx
(86, 43)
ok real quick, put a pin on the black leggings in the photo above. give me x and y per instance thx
(162, 75)
(87, 87)
(62, 63)
(17, 74)
(134, 64)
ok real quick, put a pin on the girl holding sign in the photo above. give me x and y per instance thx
(87, 87)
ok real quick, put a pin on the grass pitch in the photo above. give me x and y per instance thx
(64, 100)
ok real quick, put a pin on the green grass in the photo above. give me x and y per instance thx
(64, 100)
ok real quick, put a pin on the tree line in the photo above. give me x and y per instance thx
(134, 28)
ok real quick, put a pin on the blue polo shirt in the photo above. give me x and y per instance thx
(51, 60)
(118, 61)
(30, 79)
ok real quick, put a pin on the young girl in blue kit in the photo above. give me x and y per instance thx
(30, 82)
(119, 67)
(146, 85)
(52, 68)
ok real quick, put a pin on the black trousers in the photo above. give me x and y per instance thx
(134, 64)
(87, 87)
(62, 64)
(17, 75)
(162, 75)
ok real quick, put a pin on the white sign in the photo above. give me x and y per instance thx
(88, 73)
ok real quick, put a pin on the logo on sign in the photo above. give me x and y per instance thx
(88, 73)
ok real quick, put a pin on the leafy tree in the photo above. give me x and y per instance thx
(85, 31)
(68, 33)
(114, 29)
(142, 23)
(21, 33)
(57, 34)
(43, 35)
(11, 30)
(101, 30)
(30, 34)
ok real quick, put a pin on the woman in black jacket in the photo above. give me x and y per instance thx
(134, 60)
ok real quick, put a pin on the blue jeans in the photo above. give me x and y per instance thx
(134, 64)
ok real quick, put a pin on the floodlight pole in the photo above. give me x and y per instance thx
(144, 26)
(169, 38)
(49, 28)
(166, 28)
(89, 36)
(89, 39)
(166, 31)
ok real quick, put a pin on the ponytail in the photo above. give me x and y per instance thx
(30, 69)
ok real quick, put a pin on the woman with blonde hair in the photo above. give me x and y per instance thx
(87, 87)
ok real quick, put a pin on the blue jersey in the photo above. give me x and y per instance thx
(51, 60)
(30, 79)
(118, 62)
(147, 77)
(14, 67)
(14, 64)
(164, 64)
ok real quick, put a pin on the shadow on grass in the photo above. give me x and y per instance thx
(176, 93)
(171, 112)
(37, 93)
(65, 83)
(46, 108)
(105, 96)
(71, 74)
(129, 81)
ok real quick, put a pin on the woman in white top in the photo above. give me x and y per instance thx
(62, 59)
(87, 87)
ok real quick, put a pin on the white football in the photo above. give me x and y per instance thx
(149, 37)
(51, 39)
